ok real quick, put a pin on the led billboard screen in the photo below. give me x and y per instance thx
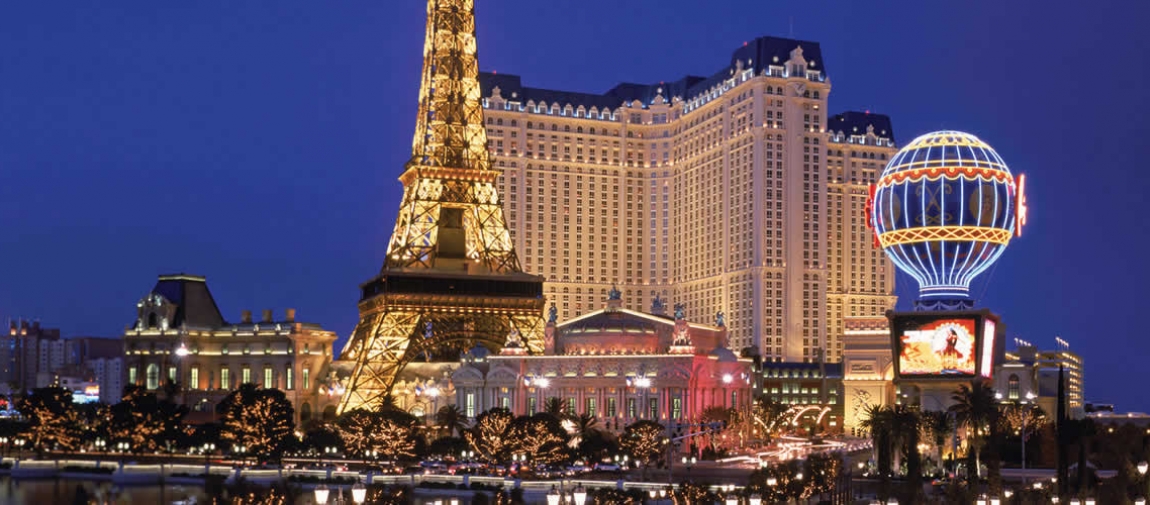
(944, 344)
(939, 347)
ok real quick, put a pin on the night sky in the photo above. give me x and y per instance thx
(258, 143)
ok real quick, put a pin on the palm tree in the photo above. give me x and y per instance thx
(879, 421)
(938, 426)
(451, 419)
(555, 407)
(905, 428)
(976, 411)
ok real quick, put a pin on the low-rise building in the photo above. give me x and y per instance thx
(179, 335)
(616, 364)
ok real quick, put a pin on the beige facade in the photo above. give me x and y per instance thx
(713, 192)
(179, 335)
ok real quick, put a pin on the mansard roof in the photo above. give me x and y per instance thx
(761, 53)
(195, 306)
(856, 123)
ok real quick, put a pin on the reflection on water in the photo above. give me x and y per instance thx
(65, 491)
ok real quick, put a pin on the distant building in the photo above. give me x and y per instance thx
(109, 374)
(27, 353)
(615, 364)
(816, 389)
(180, 335)
(1030, 370)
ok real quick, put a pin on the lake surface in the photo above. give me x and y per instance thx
(64, 492)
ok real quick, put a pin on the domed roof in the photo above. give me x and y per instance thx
(724, 355)
(945, 150)
(611, 321)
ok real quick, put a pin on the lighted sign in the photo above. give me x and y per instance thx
(940, 347)
(987, 364)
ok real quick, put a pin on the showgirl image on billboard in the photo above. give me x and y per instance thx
(943, 347)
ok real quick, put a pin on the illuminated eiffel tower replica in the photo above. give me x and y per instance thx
(451, 279)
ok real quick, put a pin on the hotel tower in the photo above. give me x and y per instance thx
(734, 193)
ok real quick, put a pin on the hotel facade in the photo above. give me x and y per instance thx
(734, 193)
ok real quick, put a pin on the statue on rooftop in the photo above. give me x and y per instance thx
(658, 306)
(552, 314)
(720, 319)
(614, 293)
(680, 311)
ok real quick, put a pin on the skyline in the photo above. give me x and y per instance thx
(362, 145)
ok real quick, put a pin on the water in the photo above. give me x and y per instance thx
(64, 491)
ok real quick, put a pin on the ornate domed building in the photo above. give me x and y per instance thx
(616, 364)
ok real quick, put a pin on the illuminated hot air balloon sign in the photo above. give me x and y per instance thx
(944, 210)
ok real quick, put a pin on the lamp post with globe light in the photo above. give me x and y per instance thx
(321, 494)
(358, 493)
(1142, 468)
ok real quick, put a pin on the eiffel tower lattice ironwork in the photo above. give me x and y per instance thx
(451, 279)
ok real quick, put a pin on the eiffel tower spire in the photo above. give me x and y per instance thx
(451, 215)
(451, 279)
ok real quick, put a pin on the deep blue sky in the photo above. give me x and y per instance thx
(258, 143)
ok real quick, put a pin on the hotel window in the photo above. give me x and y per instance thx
(268, 384)
(505, 402)
(307, 379)
(631, 408)
(654, 404)
(571, 405)
(531, 405)
(589, 408)
(611, 407)
(131, 375)
(290, 376)
(470, 405)
(734, 399)
(194, 383)
(677, 408)
(172, 374)
(152, 376)
(225, 378)
(1012, 392)
(246, 375)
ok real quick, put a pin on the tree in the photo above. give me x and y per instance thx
(451, 419)
(556, 407)
(879, 421)
(938, 426)
(367, 433)
(490, 436)
(145, 422)
(906, 427)
(319, 438)
(976, 410)
(257, 419)
(645, 442)
(539, 437)
(768, 416)
(52, 418)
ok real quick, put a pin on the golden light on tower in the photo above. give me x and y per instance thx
(451, 278)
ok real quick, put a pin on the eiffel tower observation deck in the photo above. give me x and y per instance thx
(451, 279)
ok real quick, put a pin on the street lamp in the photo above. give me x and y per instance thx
(358, 493)
(580, 495)
(755, 499)
(321, 494)
(553, 496)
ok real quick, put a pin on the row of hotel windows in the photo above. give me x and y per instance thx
(152, 377)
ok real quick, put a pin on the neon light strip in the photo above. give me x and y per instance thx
(937, 233)
(899, 175)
